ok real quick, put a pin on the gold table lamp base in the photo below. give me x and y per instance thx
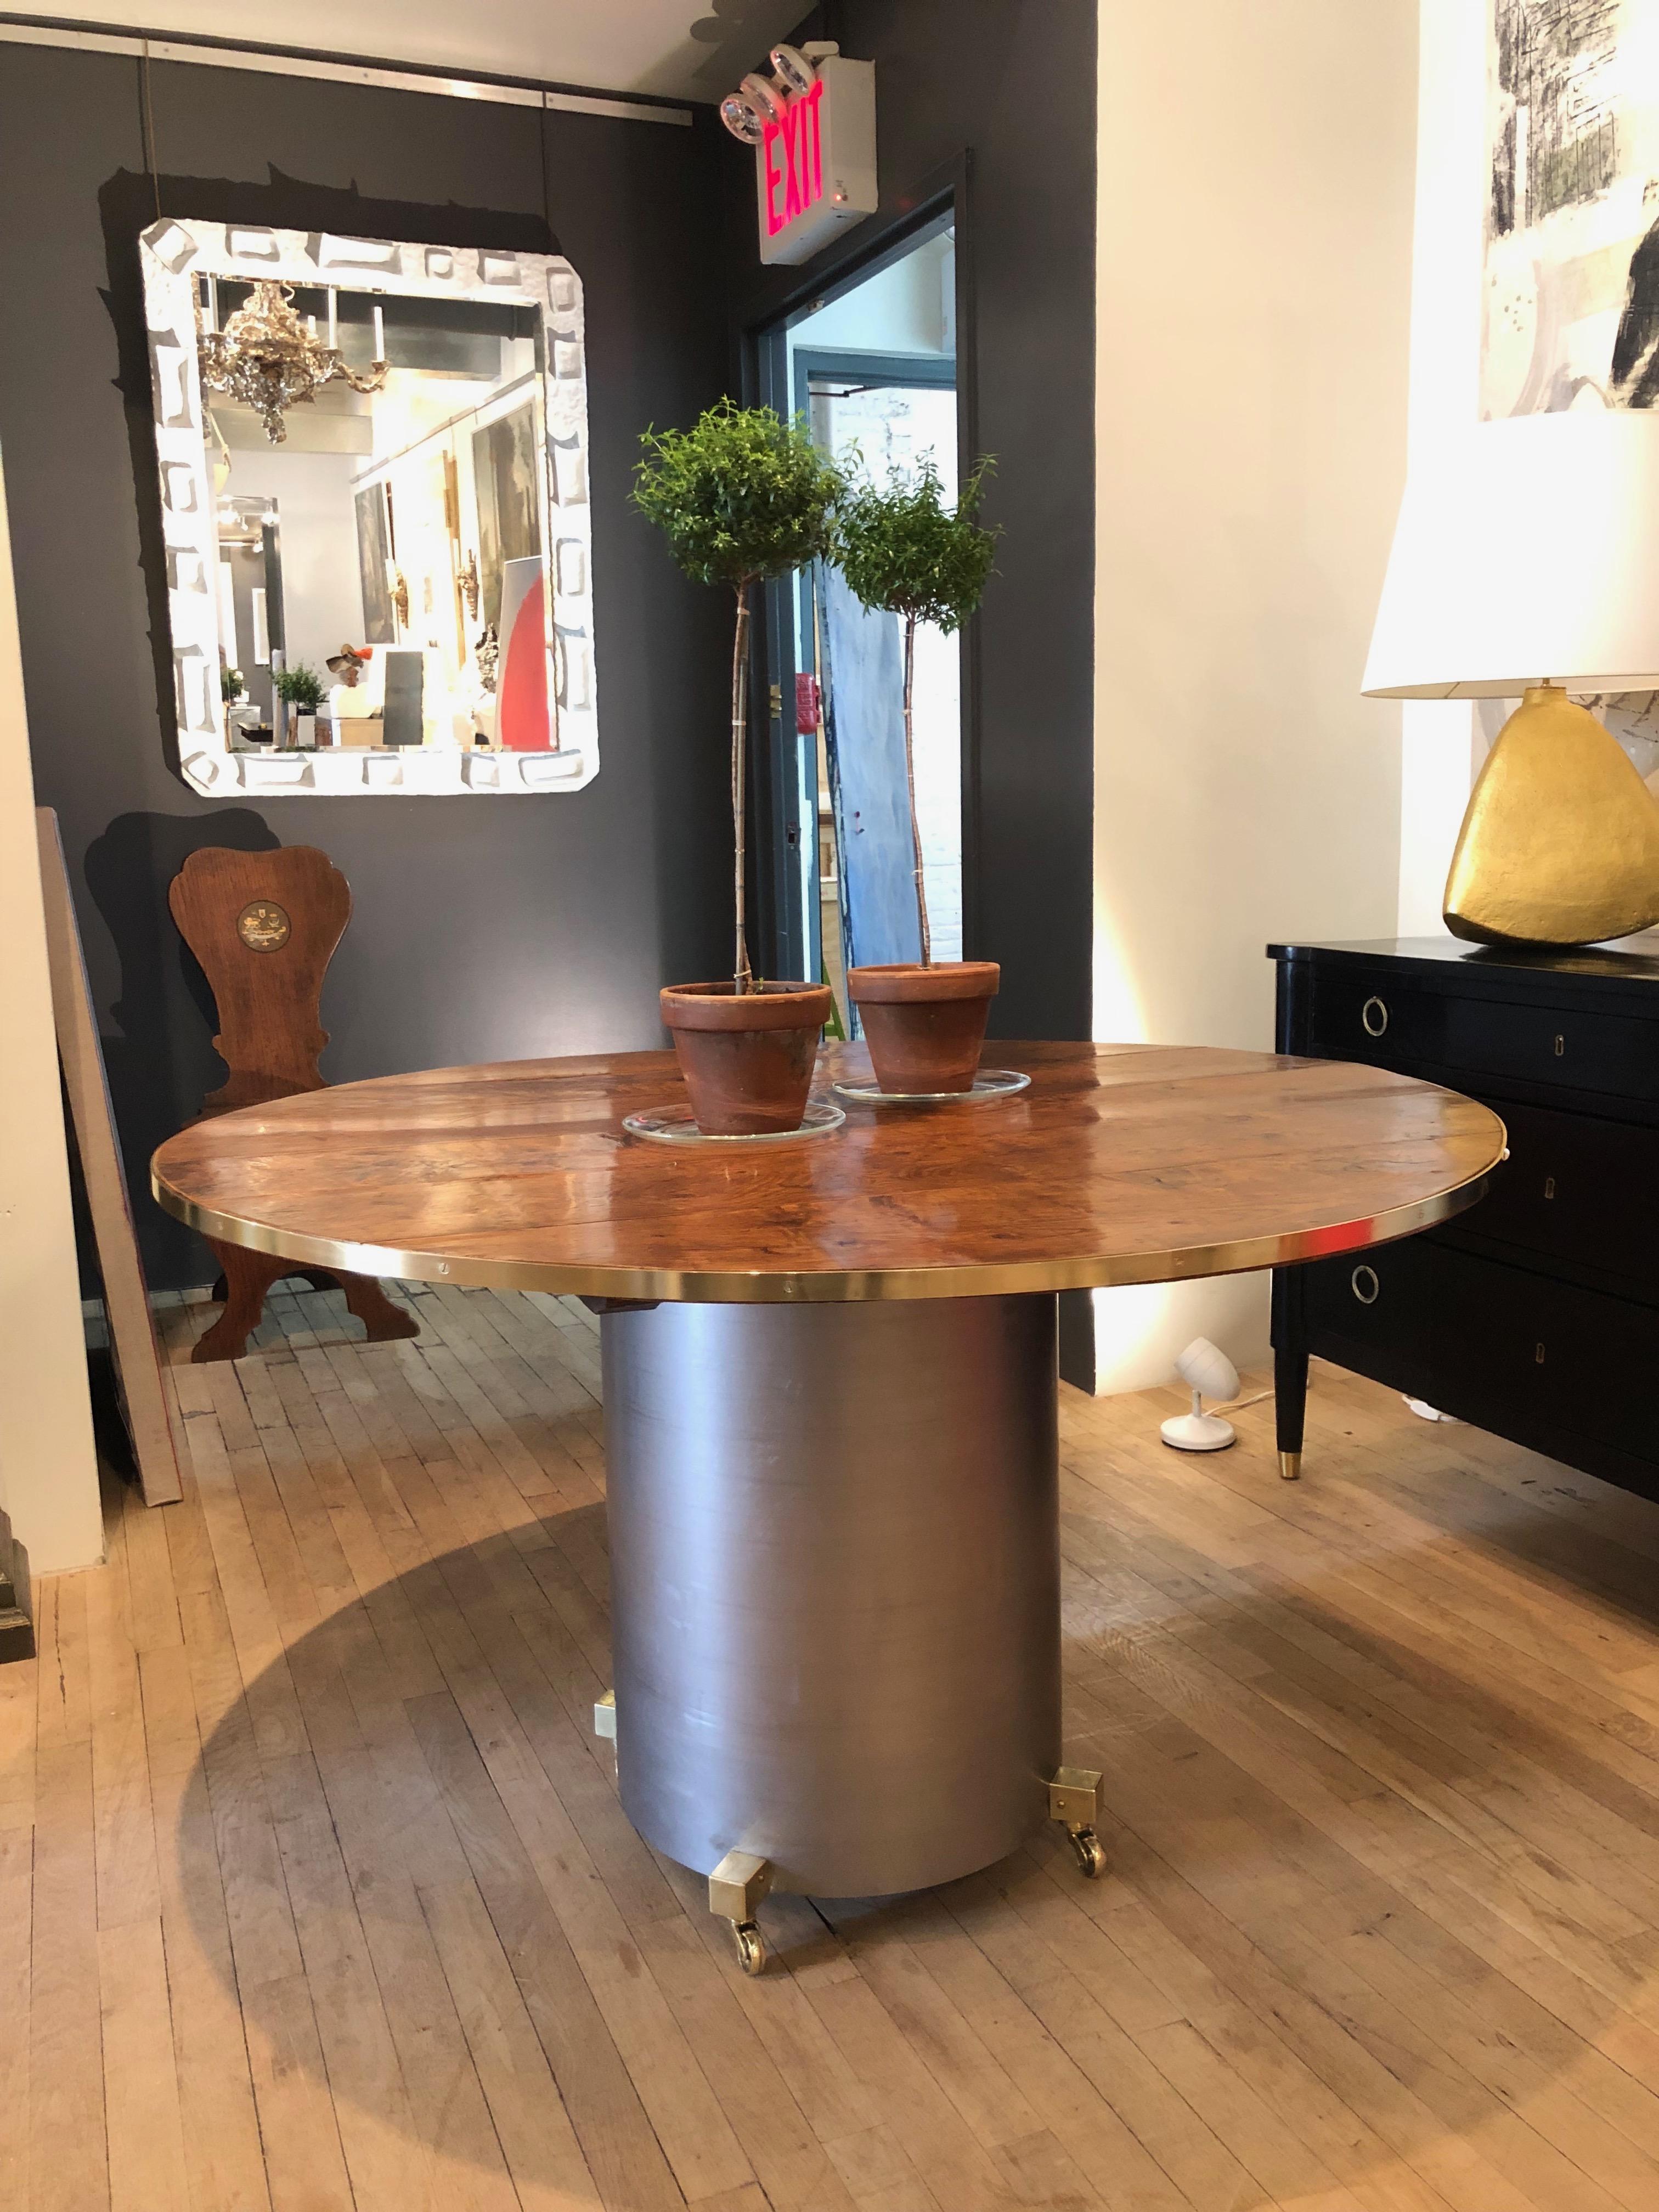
(1560, 843)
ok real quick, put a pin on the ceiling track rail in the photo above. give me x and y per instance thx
(334, 69)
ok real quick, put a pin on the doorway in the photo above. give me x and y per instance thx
(871, 369)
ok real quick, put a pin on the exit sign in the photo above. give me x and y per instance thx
(815, 163)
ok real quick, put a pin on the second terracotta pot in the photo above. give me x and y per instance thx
(748, 1059)
(925, 1026)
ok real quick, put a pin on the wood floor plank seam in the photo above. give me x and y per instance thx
(441, 1658)
(1631, 1879)
(316, 1891)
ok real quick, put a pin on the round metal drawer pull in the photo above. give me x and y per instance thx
(1374, 1018)
(1366, 1288)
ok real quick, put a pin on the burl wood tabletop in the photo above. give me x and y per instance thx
(1121, 1163)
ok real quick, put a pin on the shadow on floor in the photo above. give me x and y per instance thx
(436, 1915)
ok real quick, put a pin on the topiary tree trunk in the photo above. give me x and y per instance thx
(911, 786)
(743, 977)
(740, 496)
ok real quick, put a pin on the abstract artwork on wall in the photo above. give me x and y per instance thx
(521, 683)
(509, 501)
(1571, 308)
(375, 562)
(1571, 281)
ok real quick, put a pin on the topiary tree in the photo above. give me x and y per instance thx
(300, 687)
(903, 551)
(742, 495)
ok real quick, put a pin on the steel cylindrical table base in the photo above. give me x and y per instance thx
(835, 1583)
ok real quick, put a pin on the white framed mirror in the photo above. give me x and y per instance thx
(373, 472)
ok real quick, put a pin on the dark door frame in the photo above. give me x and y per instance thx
(783, 795)
(934, 369)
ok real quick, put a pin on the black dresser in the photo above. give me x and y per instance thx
(1536, 1313)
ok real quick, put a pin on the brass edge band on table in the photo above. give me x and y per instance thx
(827, 1286)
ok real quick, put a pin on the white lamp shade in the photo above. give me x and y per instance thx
(1206, 1367)
(1526, 551)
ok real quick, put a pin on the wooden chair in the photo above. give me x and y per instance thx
(263, 926)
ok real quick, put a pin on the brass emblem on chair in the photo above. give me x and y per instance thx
(263, 926)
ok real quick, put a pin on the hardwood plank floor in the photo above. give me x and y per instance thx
(315, 1891)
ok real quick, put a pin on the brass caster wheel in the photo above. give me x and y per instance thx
(735, 1888)
(1074, 1801)
(1090, 1853)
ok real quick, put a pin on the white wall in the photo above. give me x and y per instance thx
(909, 306)
(1253, 292)
(316, 523)
(1444, 739)
(48, 1466)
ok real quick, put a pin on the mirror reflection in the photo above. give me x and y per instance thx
(366, 553)
(386, 493)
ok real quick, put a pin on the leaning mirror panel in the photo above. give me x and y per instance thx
(374, 503)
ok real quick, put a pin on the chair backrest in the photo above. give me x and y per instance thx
(263, 926)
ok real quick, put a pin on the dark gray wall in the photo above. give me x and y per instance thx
(1000, 96)
(1002, 91)
(484, 928)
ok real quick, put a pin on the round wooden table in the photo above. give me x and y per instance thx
(830, 1385)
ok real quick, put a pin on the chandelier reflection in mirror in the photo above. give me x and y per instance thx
(267, 358)
(375, 511)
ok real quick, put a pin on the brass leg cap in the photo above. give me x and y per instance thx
(1074, 1796)
(737, 1885)
(1290, 1465)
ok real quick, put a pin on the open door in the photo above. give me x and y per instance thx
(872, 369)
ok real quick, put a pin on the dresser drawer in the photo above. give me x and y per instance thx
(1536, 1313)
(1500, 1346)
(1423, 1315)
(1574, 1189)
(1373, 1014)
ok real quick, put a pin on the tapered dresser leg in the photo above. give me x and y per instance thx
(1290, 1369)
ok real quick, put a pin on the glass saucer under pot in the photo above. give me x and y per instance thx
(675, 1125)
(989, 1083)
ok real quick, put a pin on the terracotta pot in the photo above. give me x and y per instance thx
(925, 1026)
(747, 1061)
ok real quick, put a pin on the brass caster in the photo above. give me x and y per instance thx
(735, 1888)
(1074, 1801)
(1090, 1853)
